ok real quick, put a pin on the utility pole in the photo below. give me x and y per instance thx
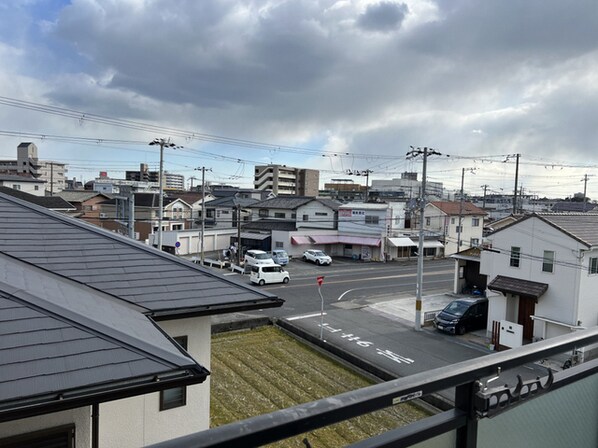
(51, 178)
(460, 223)
(365, 173)
(585, 185)
(516, 179)
(484, 200)
(460, 211)
(162, 142)
(203, 207)
(131, 202)
(239, 234)
(192, 179)
(420, 256)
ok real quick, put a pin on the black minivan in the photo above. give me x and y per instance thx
(463, 315)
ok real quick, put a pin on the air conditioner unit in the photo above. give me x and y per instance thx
(103, 215)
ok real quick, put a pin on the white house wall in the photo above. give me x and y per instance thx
(587, 313)
(352, 220)
(534, 236)
(80, 417)
(137, 421)
(319, 216)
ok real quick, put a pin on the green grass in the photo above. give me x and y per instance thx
(259, 371)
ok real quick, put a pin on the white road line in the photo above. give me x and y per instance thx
(305, 316)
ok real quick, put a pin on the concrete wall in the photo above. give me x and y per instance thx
(319, 216)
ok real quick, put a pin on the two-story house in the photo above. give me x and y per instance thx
(542, 273)
(87, 204)
(460, 224)
(115, 214)
(291, 220)
(105, 341)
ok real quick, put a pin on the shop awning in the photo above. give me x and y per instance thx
(254, 236)
(325, 239)
(298, 240)
(429, 244)
(402, 241)
(359, 240)
(517, 286)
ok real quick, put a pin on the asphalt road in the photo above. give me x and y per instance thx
(355, 282)
(383, 340)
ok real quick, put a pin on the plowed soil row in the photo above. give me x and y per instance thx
(258, 371)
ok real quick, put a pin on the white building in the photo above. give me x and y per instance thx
(459, 224)
(543, 274)
(29, 185)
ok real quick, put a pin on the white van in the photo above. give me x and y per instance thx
(274, 273)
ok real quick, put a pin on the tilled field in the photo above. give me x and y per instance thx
(259, 371)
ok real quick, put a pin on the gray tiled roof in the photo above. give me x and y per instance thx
(162, 283)
(580, 226)
(294, 202)
(60, 337)
(51, 202)
(517, 286)
(79, 195)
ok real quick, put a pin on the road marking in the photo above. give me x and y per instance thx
(305, 316)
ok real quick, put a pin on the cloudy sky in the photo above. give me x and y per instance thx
(331, 85)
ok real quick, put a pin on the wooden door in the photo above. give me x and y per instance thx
(527, 307)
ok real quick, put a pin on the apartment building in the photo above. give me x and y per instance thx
(285, 180)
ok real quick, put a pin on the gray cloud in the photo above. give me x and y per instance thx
(383, 17)
(297, 71)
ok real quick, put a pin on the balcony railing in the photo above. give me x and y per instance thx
(556, 410)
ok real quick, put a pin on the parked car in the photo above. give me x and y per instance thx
(316, 256)
(280, 257)
(254, 257)
(463, 315)
(262, 274)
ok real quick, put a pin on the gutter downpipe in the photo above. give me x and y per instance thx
(95, 425)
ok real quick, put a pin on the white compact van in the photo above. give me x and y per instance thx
(273, 273)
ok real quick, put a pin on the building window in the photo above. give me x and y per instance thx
(428, 220)
(369, 219)
(61, 436)
(459, 229)
(593, 267)
(515, 256)
(279, 215)
(548, 261)
(475, 222)
(16, 187)
(263, 213)
(474, 242)
(279, 244)
(36, 187)
(177, 396)
(452, 220)
(305, 217)
(321, 214)
(293, 215)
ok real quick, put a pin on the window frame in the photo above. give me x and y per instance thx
(372, 220)
(164, 404)
(593, 269)
(548, 262)
(515, 258)
(475, 222)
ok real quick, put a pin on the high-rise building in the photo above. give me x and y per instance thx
(28, 165)
(284, 180)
